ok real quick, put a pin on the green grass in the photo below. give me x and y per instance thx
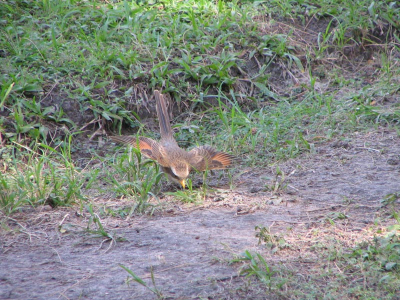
(41, 175)
(134, 179)
(103, 57)
(327, 267)
(243, 82)
(133, 277)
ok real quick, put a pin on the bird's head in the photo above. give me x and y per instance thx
(180, 172)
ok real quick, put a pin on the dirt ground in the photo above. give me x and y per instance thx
(188, 247)
(47, 253)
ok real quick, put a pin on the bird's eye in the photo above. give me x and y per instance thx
(174, 176)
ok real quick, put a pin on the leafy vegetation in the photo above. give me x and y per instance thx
(265, 80)
(41, 175)
(130, 177)
(369, 270)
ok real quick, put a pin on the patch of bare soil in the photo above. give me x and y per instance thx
(187, 248)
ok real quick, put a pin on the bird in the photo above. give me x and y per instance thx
(175, 162)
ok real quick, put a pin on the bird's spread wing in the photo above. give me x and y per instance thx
(148, 147)
(207, 158)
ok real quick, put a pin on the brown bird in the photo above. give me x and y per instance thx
(175, 161)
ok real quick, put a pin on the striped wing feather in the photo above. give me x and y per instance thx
(148, 147)
(207, 158)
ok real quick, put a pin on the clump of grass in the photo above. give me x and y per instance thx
(256, 265)
(272, 241)
(140, 281)
(378, 263)
(136, 179)
(368, 270)
(271, 133)
(190, 195)
(41, 175)
(352, 20)
(96, 228)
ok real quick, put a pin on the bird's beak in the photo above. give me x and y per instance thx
(183, 182)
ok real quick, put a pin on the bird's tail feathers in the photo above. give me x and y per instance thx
(163, 117)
